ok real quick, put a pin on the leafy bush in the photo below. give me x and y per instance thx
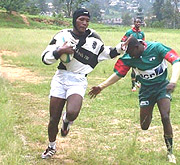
(158, 24)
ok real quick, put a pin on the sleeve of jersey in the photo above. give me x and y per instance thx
(172, 57)
(120, 68)
(50, 55)
(124, 38)
(107, 52)
(166, 52)
(143, 37)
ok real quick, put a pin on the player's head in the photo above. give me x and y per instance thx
(135, 48)
(81, 20)
(137, 23)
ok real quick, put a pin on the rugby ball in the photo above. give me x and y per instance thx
(66, 58)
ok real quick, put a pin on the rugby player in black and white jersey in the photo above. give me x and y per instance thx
(69, 83)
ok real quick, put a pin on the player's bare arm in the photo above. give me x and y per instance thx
(174, 77)
(97, 89)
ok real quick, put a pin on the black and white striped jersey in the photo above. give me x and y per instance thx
(89, 51)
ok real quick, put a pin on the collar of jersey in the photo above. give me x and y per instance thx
(135, 30)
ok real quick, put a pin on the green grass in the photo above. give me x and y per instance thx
(15, 21)
(12, 148)
(107, 130)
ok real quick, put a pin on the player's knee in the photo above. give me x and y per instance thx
(72, 115)
(143, 127)
(53, 121)
(165, 119)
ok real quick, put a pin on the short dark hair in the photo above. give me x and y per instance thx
(133, 42)
(137, 19)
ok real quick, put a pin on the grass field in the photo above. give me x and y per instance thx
(107, 132)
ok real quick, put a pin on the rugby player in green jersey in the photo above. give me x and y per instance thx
(137, 33)
(149, 61)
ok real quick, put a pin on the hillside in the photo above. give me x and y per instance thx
(17, 20)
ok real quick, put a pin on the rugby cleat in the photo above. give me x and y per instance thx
(138, 84)
(65, 126)
(133, 89)
(171, 158)
(49, 152)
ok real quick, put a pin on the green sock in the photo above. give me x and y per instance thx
(169, 143)
(133, 83)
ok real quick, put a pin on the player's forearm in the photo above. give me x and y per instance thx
(111, 80)
(175, 72)
(48, 58)
(48, 55)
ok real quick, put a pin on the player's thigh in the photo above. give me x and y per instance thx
(74, 103)
(56, 106)
(164, 106)
(75, 95)
(146, 113)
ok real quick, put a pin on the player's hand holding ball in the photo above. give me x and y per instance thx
(67, 51)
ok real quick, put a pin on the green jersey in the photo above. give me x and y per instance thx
(150, 67)
(137, 33)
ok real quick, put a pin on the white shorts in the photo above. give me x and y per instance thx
(65, 83)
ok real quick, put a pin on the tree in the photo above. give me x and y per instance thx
(42, 6)
(57, 6)
(157, 9)
(176, 14)
(176, 4)
(126, 19)
(32, 8)
(94, 10)
(13, 5)
(69, 6)
(140, 15)
(168, 14)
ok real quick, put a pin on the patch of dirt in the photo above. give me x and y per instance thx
(51, 21)
(14, 13)
(13, 73)
(25, 19)
(41, 20)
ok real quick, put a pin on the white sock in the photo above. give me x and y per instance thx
(65, 119)
(52, 145)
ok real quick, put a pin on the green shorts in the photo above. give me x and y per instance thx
(149, 95)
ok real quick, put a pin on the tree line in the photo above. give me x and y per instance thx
(35, 7)
(164, 13)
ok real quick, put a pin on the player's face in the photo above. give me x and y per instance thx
(137, 23)
(82, 23)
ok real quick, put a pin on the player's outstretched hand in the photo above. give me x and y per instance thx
(170, 87)
(125, 44)
(94, 91)
(122, 46)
